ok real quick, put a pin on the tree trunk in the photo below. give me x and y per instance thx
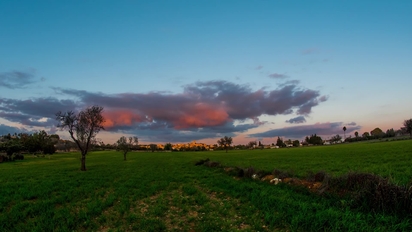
(226, 149)
(83, 159)
(124, 154)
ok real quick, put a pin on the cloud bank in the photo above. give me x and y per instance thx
(202, 110)
(329, 128)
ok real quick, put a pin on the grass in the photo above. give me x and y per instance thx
(167, 192)
(388, 159)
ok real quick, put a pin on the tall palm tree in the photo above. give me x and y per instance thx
(344, 130)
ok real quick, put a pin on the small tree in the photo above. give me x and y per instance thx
(344, 132)
(296, 143)
(82, 127)
(390, 133)
(125, 144)
(356, 134)
(168, 146)
(336, 139)
(408, 126)
(153, 147)
(377, 132)
(314, 139)
(279, 142)
(225, 142)
(252, 144)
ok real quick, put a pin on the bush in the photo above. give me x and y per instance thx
(4, 158)
(201, 162)
(373, 193)
(281, 174)
(212, 164)
(248, 172)
(18, 156)
(316, 177)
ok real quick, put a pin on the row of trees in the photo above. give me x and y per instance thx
(36, 143)
(377, 133)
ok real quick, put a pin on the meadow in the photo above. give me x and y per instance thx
(166, 192)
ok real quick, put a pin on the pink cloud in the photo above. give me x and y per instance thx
(120, 118)
(202, 115)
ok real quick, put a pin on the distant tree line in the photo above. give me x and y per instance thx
(314, 140)
(377, 133)
(37, 143)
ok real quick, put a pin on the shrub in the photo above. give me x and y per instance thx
(18, 156)
(4, 158)
(236, 171)
(212, 164)
(372, 193)
(281, 174)
(316, 177)
(201, 162)
(248, 172)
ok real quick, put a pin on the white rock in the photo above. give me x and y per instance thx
(275, 181)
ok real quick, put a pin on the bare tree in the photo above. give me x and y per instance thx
(225, 142)
(125, 144)
(82, 127)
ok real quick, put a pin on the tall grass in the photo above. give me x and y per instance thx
(166, 191)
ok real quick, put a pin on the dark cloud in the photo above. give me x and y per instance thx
(4, 130)
(37, 107)
(16, 79)
(201, 110)
(162, 133)
(206, 106)
(202, 104)
(27, 120)
(324, 129)
(38, 112)
(297, 120)
(352, 124)
(278, 76)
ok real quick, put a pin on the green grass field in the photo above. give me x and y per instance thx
(166, 191)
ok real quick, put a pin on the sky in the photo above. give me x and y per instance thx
(178, 71)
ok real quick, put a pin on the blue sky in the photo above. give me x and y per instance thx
(174, 71)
